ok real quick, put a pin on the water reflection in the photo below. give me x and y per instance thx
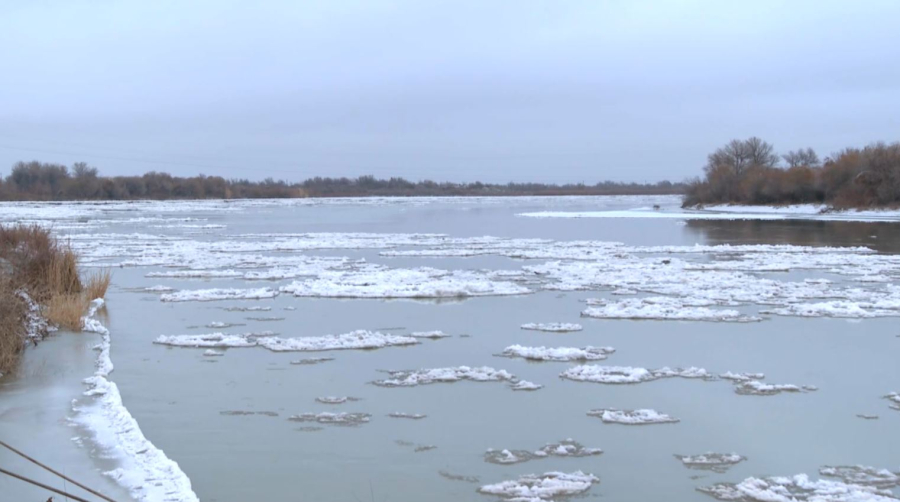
(880, 236)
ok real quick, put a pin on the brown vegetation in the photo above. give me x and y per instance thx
(41, 181)
(747, 172)
(35, 264)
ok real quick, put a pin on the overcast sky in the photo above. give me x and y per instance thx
(553, 91)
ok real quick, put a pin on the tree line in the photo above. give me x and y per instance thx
(750, 172)
(47, 182)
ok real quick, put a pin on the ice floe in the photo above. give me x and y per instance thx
(798, 488)
(716, 462)
(632, 417)
(143, 469)
(894, 398)
(411, 416)
(223, 325)
(558, 353)
(541, 487)
(525, 385)
(629, 374)
(359, 339)
(417, 448)
(862, 475)
(402, 283)
(213, 353)
(757, 388)
(660, 308)
(335, 399)
(206, 295)
(741, 377)
(437, 375)
(552, 327)
(459, 477)
(327, 418)
(564, 448)
(433, 335)
(312, 360)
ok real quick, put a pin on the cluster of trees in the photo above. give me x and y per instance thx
(371, 186)
(750, 172)
(41, 181)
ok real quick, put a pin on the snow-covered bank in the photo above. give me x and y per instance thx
(736, 212)
(143, 469)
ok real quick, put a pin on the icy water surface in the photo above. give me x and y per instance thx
(400, 413)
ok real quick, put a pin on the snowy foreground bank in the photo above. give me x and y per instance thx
(144, 470)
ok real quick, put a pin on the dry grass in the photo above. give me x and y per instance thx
(32, 260)
(12, 329)
(66, 310)
(96, 284)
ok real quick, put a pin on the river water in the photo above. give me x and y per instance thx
(204, 411)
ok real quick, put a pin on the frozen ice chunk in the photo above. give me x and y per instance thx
(327, 418)
(360, 339)
(564, 448)
(741, 377)
(797, 488)
(862, 475)
(213, 353)
(411, 416)
(436, 375)
(629, 374)
(526, 385)
(659, 308)
(335, 399)
(632, 417)
(716, 462)
(542, 487)
(558, 353)
(206, 295)
(757, 388)
(434, 335)
(552, 327)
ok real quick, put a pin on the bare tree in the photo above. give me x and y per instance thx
(801, 157)
(739, 155)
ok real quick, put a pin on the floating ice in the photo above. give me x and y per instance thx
(265, 319)
(411, 416)
(564, 448)
(757, 388)
(223, 325)
(542, 487)
(312, 360)
(328, 418)
(402, 283)
(660, 307)
(558, 353)
(246, 413)
(257, 308)
(862, 475)
(360, 339)
(867, 417)
(417, 448)
(632, 417)
(741, 377)
(629, 374)
(526, 386)
(894, 397)
(459, 477)
(436, 375)
(213, 353)
(434, 335)
(552, 327)
(207, 295)
(797, 488)
(335, 399)
(716, 462)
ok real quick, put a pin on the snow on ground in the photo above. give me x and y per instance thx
(631, 417)
(542, 487)
(552, 327)
(143, 469)
(709, 461)
(797, 488)
(565, 448)
(437, 375)
(359, 339)
(660, 308)
(206, 295)
(557, 353)
(629, 374)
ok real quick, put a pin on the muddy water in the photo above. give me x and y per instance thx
(178, 395)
